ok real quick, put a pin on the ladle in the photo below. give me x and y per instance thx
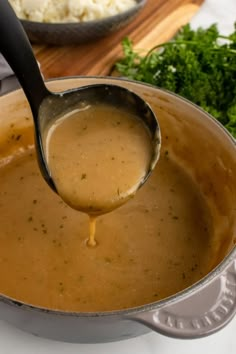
(47, 106)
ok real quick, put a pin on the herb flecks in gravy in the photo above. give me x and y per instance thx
(152, 247)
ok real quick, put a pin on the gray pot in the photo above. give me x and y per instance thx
(207, 152)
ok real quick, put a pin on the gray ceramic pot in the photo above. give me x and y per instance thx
(208, 153)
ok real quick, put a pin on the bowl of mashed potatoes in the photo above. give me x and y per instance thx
(74, 21)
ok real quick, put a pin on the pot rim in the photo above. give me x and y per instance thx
(157, 304)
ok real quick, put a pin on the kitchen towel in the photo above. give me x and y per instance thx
(8, 81)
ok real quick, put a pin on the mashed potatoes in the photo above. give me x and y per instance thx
(69, 10)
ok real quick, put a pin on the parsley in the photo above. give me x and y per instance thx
(199, 65)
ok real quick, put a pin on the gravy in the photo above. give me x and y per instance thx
(98, 157)
(155, 245)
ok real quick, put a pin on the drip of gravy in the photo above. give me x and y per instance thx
(98, 157)
(92, 230)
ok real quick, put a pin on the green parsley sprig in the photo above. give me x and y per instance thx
(199, 65)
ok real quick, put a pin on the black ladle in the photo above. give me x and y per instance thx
(47, 106)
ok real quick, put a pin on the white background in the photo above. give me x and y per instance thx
(14, 341)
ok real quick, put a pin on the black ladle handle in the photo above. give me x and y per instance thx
(16, 49)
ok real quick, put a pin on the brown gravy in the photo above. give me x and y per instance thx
(157, 244)
(98, 157)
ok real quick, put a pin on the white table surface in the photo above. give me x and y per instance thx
(14, 341)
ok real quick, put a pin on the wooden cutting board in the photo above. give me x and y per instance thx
(156, 23)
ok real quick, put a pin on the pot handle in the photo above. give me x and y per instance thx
(197, 314)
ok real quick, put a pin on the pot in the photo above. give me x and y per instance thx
(205, 149)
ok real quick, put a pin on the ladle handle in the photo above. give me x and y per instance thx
(16, 49)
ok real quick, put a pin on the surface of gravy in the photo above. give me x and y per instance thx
(157, 244)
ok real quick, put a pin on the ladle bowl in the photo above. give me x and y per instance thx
(47, 106)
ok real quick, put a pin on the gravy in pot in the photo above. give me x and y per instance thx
(157, 244)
